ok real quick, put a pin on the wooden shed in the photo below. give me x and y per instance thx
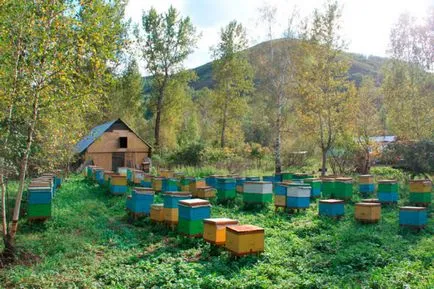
(114, 144)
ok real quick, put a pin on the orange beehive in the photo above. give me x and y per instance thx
(244, 239)
(367, 212)
(214, 230)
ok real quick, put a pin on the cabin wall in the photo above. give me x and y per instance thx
(103, 160)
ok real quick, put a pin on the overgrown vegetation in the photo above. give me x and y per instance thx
(90, 243)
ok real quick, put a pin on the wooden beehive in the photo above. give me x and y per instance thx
(367, 212)
(414, 217)
(206, 192)
(244, 239)
(157, 212)
(215, 230)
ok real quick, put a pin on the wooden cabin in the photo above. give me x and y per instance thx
(114, 144)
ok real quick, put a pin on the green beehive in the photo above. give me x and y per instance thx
(39, 210)
(287, 176)
(328, 187)
(226, 189)
(190, 227)
(343, 189)
(386, 187)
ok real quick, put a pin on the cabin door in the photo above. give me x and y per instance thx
(118, 160)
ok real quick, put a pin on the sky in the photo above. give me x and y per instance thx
(366, 23)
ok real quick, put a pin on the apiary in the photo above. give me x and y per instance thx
(367, 212)
(387, 191)
(118, 184)
(420, 192)
(343, 189)
(141, 200)
(244, 239)
(331, 208)
(297, 196)
(214, 230)
(226, 189)
(191, 215)
(257, 192)
(413, 217)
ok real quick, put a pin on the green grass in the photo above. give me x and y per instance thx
(90, 244)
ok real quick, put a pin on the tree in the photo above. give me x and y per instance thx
(233, 75)
(324, 91)
(166, 41)
(407, 86)
(58, 52)
(277, 74)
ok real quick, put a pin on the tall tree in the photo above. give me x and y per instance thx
(408, 87)
(59, 51)
(233, 75)
(166, 41)
(325, 93)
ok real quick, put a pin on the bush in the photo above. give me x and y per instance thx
(388, 173)
(190, 155)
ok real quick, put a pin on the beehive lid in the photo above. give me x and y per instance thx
(409, 208)
(205, 188)
(159, 178)
(420, 182)
(39, 184)
(240, 178)
(157, 205)
(109, 172)
(327, 179)
(368, 204)
(285, 183)
(194, 203)
(177, 194)
(221, 221)
(312, 180)
(245, 229)
(140, 190)
(257, 182)
(118, 176)
(387, 181)
(370, 201)
(331, 201)
(344, 179)
(365, 176)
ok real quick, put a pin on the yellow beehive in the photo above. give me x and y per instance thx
(118, 180)
(206, 192)
(244, 239)
(157, 184)
(157, 212)
(366, 179)
(420, 186)
(367, 212)
(279, 201)
(194, 185)
(214, 230)
(166, 173)
(171, 215)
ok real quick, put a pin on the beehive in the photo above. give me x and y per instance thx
(157, 212)
(169, 185)
(297, 196)
(138, 176)
(331, 208)
(123, 171)
(367, 212)
(286, 176)
(343, 189)
(195, 184)
(277, 177)
(170, 215)
(206, 192)
(268, 179)
(214, 230)
(107, 177)
(166, 173)
(89, 171)
(185, 183)
(239, 184)
(420, 192)
(369, 201)
(58, 178)
(191, 215)
(257, 192)
(39, 200)
(129, 175)
(171, 199)
(99, 176)
(226, 189)
(366, 185)
(157, 184)
(327, 186)
(244, 239)
(414, 217)
(118, 184)
(44, 181)
(146, 182)
(299, 177)
(387, 191)
(141, 200)
(315, 186)
(253, 179)
(279, 190)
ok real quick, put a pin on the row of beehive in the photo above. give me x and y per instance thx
(40, 195)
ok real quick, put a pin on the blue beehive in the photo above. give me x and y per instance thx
(141, 200)
(99, 176)
(366, 188)
(297, 196)
(277, 178)
(39, 195)
(331, 208)
(279, 189)
(194, 209)
(268, 179)
(170, 185)
(212, 180)
(171, 199)
(253, 179)
(415, 217)
(385, 197)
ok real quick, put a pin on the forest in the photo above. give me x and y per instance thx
(297, 101)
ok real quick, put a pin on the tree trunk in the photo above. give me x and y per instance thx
(277, 145)
(3, 206)
(324, 162)
(223, 132)
(23, 168)
(157, 125)
(9, 250)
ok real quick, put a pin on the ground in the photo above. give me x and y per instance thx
(90, 244)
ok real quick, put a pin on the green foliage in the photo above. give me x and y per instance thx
(388, 173)
(188, 155)
(90, 244)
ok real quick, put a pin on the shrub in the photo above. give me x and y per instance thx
(190, 155)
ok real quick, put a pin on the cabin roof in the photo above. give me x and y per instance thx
(97, 132)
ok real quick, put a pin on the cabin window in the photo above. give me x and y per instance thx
(123, 142)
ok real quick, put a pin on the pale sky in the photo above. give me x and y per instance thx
(366, 23)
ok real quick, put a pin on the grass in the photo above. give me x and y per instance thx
(90, 244)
